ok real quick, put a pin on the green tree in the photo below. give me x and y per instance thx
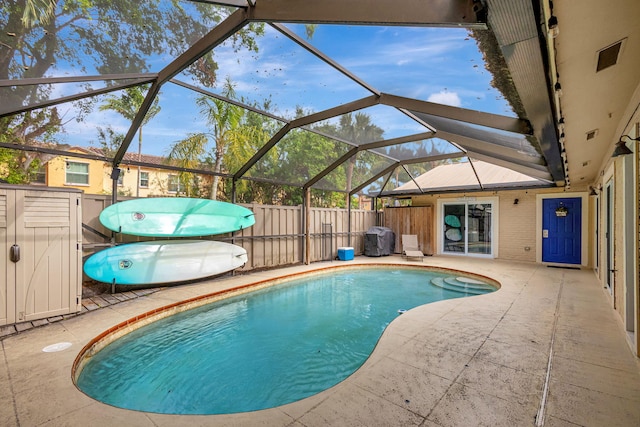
(360, 130)
(229, 130)
(127, 105)
(254, 132)
(38, 10)
(188, 153)
(109, 140)
(16, 166)
(96, 37)
(224, 120)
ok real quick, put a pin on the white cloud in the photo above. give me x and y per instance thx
(446, 98)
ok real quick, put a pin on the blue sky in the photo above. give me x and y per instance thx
(441, 65)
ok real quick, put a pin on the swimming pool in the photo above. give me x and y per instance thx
(265, 348)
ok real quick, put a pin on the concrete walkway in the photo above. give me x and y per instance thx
(546, 349)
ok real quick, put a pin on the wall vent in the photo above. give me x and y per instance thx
(592, 134)
(609, 56)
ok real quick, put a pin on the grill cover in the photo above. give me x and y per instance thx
(379, 241)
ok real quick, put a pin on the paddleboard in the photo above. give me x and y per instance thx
(164, 261)
(175, 217)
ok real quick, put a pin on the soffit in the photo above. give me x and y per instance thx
(593, 100)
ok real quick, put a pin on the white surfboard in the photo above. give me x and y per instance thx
(164, 261)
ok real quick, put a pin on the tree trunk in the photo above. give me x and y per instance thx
(214, 185)
(350, 166)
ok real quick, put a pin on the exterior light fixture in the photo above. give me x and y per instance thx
(561, 125)
(592, 191)
(552, 25)
(621, 147)
(558, 88)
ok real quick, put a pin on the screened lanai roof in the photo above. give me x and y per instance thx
(332, 95)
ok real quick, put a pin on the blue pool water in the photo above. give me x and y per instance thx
(258, 350)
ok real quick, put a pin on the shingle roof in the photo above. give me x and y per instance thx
(128, 156)
(461, 176)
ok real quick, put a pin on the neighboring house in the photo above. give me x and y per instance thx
(84, 174)
(94, 176)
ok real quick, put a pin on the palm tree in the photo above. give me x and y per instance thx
(359, 130)
(233, 134)
(225, 120)
(127, 105)
(38, 10)
(187, 153)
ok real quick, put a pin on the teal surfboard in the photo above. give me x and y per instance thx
(164, 261)
(175, 217)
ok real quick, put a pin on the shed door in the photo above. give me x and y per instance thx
(562, 232)
(7, 268)
(47, 275)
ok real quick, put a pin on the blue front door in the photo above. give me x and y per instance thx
(562, 230)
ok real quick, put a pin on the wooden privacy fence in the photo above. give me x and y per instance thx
(276, 239)
(419, 220)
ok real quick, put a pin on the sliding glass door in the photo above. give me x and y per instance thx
(455, 238)
(467, 228)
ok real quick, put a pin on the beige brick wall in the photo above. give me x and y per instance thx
(516, 222)
(517, 226)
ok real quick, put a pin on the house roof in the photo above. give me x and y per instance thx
(128, 157)
(467, 176)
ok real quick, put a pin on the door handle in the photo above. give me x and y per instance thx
(14, 253)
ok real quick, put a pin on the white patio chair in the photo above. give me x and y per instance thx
(410, 247)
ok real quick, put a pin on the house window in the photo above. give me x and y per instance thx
(174, 184)
(144, 179)
(121, 178)
(77, 173)
(39, 176)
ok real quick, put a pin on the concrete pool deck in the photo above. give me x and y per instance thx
(482, 360)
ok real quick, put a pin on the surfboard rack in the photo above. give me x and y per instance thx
(143, 263)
